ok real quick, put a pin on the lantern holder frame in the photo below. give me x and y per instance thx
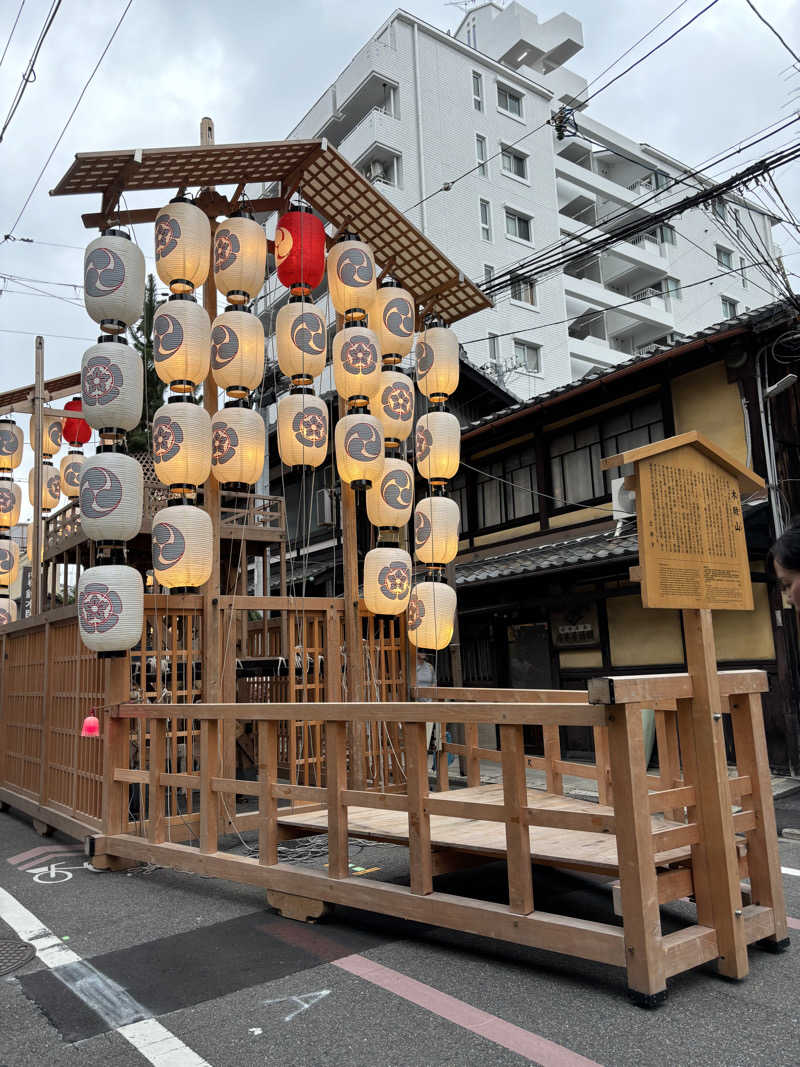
(183, 386)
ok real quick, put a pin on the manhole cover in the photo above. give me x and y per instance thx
(14, 953)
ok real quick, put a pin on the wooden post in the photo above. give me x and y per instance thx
(763, 859)
(267, 803)
(515, 801)
(336, 766)
(605, 792)
(36, 441)
(209, 769)
(116, 733)
(637, 874)
(712, 793)
(554, 781)
(419, 822)
(44, 738)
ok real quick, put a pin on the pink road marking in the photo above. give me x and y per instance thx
(535, 1048)
(16, 860)
(794, 924)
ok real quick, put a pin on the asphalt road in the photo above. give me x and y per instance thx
(237, 984)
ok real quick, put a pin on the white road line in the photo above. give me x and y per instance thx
(790, 870)
(109, 1000)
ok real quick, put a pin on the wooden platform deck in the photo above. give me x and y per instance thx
(579, 850)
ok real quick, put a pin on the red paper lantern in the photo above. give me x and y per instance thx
(300, 248)
(76, 432)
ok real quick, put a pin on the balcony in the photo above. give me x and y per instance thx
(644, 307)
(605, 188)
(375, 128)
(360, 87)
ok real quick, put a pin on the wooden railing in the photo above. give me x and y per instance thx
(703, 850)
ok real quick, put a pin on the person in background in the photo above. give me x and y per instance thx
(785, 559)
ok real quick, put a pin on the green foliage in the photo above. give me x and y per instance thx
(139, 438)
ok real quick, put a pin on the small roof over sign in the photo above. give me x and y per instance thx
(748, 481)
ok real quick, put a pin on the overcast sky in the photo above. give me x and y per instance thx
(258, 72)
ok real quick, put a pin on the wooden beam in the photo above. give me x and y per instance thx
(392, 711)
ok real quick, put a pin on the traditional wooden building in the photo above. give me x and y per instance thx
(545, 597)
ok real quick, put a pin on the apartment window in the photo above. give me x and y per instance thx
(729, 308)
(486, 220)
(736, 218)
(518, 226)
(742, 272)
(514, 163)
(488, 272)
(508, 100)
(671, 289)
(480, 154)
(575, 456)
(661, 179)
(523, 290)
(477, 91)
(666, 234)
(724, 257)
(718, 208)
(494, 350)
(506, 490)
(528, 356)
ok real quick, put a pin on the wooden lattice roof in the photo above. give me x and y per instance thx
(325, 180)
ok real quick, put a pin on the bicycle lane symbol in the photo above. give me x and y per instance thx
(54, 873)
(51, 864)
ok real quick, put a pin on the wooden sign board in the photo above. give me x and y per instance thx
(692, 549)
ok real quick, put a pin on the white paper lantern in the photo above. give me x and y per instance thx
(302, 430)
(387, 581)
(112, 385)
(11, 445)
(183, 246)
(240, 258)
(70, 470)
(8, 611)
(113, 281)
(391, 316)
(359, 449)
(237, 352)
(437, 446)
(300, 336)
(182, 538)
(111, 495)
(237, 446)
(356, 363)
(182, 444)
(437, 363)
(29, 543)
(391, 497)
(9, 562)
(351, 274)
(181, 343)
(110, 608)
(394, 406)
(436, 521)
(52, 434)
(10, 503)
(431, 615)
(51, 486)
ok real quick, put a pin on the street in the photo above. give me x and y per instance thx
(230, 982)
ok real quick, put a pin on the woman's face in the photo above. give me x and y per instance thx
(790, 584)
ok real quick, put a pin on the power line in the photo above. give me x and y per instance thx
(29, 74)
(447, 186)
(8, 42)
(34, 241)
(770, 27)
(546, 260)
(613, 307)
(69, 120)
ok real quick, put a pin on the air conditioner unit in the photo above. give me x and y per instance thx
(326, 512)
(623, 500)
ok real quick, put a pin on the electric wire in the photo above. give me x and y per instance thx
(71, 115)
(772, 29)
(11, 34)
(29, 74)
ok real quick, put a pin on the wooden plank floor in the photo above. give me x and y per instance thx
(573, 849)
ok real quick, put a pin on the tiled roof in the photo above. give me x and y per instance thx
(558, 556)
(755, 316)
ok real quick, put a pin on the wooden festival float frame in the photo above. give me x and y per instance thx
(689, 830)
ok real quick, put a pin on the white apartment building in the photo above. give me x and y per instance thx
(417, 107)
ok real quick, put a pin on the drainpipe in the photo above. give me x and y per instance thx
(769, 453)
(418, 108)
